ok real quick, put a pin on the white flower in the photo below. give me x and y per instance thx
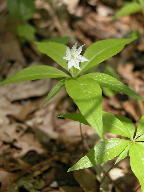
(74, 57)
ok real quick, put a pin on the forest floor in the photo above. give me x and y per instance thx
(36, 147)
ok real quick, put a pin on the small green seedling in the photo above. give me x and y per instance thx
(105, 150)
(130, 8)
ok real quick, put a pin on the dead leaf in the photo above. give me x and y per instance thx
(25, 90)
(10, 49)
(71, 5)
(27, 142)
(131, 109)
(6, 179)
(87, 180)
(70, 189)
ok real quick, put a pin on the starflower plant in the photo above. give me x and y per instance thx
(129, 8)
(85, 89)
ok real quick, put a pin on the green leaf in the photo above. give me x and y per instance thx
(123, 154)
(114, 124)
(140, 127)
(63, 40)
(140, 138)
(102, 152)
(34, 73)
(103, 50)
(118, 124)
(87, 95)
(108, 92)
(137, 162)
(111, 71)
(27, 32)
(128, 124)
(21, 9)
(54, 90)
(75, 117)
(108, 81)
(128, 9)
(141, 3)
(55, 51)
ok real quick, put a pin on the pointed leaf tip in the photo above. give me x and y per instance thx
(102, 152)
(103, 50)
(35, 73)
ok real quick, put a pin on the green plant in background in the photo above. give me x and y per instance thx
(85, 89)
(130, 8)
(22, 11)
(26, 32)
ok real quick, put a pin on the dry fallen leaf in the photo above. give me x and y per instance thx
(6, 179)
(70, 189)
(71, 5)
(87, 180)
(10, 49)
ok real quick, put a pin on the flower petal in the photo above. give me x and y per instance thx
(71, 63)
(82, 59)
(78, 67)
(74, 49)
(79, 50)
(77, 64)
(68, 54)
